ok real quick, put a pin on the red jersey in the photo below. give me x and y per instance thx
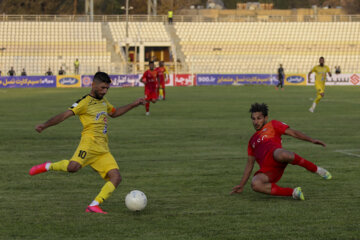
(266, 140)
(161, 74)
(150, 80)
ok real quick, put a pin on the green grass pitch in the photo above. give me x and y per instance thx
(186, 157)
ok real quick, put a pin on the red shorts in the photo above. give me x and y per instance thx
(150, 95)
(162, 84)
(273, 169)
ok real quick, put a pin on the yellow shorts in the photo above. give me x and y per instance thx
(319, 88)
(98, 157)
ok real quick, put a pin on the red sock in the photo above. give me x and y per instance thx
(280, 191)
(147, 106)
(304, 163)
(164, 93)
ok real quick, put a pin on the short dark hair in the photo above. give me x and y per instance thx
(322, 58)
(102, 77)
(151, 62)
(257, 107)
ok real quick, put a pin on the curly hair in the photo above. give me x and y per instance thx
(257, 107)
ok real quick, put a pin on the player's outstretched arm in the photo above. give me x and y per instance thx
(54, 120)
(248, 169)
(299, 135)
(309, 74)
(124, 109)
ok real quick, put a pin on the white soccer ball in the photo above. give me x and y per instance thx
(136, 200)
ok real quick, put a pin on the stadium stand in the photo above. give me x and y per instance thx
(259, 47)
(141, 34)
(148, 32)
(206, 47)
(37, 46)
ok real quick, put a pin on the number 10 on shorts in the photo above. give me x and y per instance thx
(82, 154)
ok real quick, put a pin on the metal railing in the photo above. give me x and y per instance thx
(179, 18)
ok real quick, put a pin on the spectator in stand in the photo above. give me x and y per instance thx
(23, 73)
(77, 66)
(170, 17)
(61, 71)
(0, 73)
(11, 72)
(337, 70)
(49, 72)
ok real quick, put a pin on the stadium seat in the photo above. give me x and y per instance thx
(37, 46)
(259, 47)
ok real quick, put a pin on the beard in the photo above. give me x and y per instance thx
(97, 96)
(260, 127)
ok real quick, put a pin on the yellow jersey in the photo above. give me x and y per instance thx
(93, 114)
(320, 75)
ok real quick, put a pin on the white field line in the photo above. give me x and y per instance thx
(349, 152)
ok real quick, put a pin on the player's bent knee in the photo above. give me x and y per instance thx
(257, 186)
(73, 167)
(259, 182)
(114, 177)
(282, 155)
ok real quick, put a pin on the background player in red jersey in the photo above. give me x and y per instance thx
(162, 76)
(150, 79)
(265, 148)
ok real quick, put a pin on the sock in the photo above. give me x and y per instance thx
(280, 191)
(147, 106)
(304, 163)
(60, 166)
(317, 100)
(314, 105)
(94, 203)
(47, 166)
(163, 93)
(105, 192)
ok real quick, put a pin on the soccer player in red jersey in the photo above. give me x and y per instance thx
(150, 80)
(162, 75)
(265, 148)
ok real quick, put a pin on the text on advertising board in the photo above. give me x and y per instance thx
(27, 81)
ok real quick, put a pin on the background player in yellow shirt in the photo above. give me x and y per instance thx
(320, 78)
(93, 110)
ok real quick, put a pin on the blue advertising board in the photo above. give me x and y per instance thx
(235, 79)
(132, 80)
(295, 79)
(28, 82)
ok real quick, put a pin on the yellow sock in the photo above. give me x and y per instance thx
(161, 92)
(105, 192)
(60, 166)
(318, 97)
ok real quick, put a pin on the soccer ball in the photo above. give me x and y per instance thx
(136, 200)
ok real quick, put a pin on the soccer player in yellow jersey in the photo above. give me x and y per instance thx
(93, 111)
(320, 78)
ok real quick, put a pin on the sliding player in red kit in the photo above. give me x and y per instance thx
(150, 80)
(265, 148)
(162, 75)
